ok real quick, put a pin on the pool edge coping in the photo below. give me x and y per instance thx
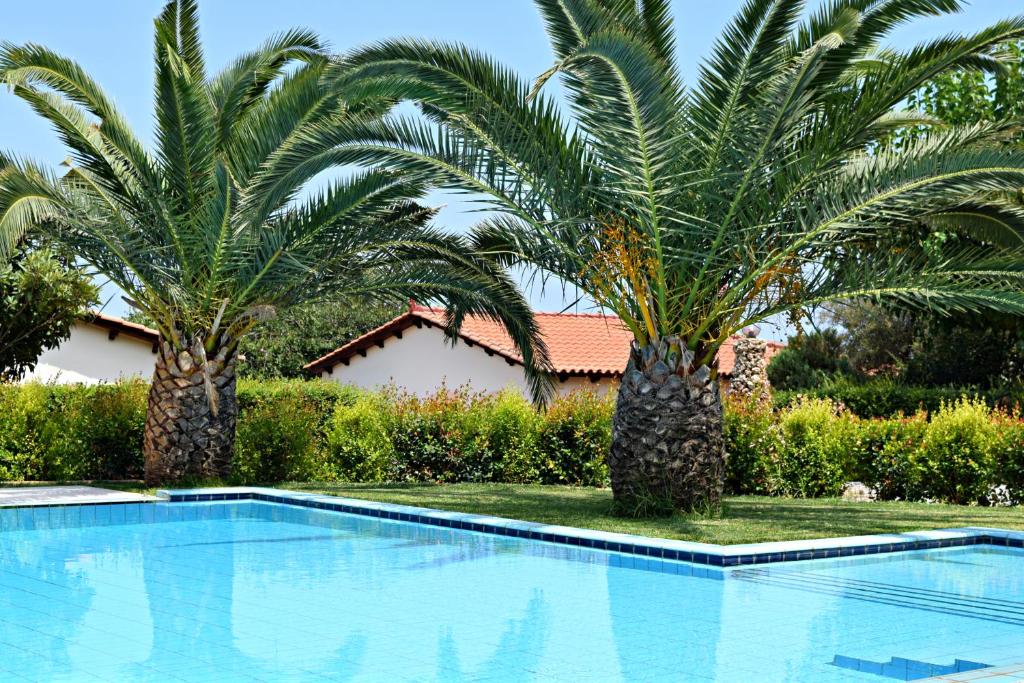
(726, 556)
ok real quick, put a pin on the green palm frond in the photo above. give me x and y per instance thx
(762, 189)
(218, 225)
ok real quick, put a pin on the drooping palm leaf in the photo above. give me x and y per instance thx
(693, 212)
(219, 224)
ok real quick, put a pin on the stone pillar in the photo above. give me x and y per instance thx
(749, 374)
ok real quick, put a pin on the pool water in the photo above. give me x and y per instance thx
(255, 591)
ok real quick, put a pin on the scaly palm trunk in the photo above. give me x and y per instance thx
(667, 444)
(190, 421)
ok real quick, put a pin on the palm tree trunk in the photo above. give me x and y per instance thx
(190, 421)
(667, 445)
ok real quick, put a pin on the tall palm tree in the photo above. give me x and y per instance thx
(216, 227)
(692, 212)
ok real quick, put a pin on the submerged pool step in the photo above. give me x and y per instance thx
(902, 669)
(975, 607)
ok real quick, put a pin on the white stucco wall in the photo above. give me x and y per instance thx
(89, 356)
(423, 360)
(602, 386)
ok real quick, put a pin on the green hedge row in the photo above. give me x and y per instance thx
(887, 398)
(964, 452)
(449, 437)
(315, 431)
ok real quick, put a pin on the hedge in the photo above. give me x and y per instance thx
(964, 452)
(318, 431)
(887, 398)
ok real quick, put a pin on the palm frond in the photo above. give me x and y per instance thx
(692, 212)
(220, 223)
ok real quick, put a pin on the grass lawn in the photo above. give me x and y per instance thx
(744, 519)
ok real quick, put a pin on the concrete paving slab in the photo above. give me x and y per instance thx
(20, 496)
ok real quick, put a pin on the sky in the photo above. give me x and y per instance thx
(112, 40)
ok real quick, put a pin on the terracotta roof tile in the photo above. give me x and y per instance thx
(578, 343)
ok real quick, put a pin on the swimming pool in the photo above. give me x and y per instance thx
(249, 590)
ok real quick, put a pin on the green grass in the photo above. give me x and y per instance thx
(744, 519)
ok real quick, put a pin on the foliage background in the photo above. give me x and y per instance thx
(317, 431)
(40, 300)
(280, 347)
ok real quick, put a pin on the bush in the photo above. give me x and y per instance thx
(282, 430)
(753, 442)
(884, 455)
(22, 413)
(815, 452)
(360, 441)
(1008, 456)
(94, 432)
(809, 361)
(71, 432)
(575, 436)
(955, 461)
(803, 450)
(790, 371)
(429, 437)
(884, 397)
(459, 436)
(317, 431)
(505, 449)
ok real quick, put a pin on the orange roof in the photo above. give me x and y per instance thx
(587, 344)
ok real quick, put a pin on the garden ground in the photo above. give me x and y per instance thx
(744, 519)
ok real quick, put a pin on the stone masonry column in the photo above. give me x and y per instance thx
(749, 374)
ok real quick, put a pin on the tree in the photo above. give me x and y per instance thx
(966, 97)
(40, 300)
(963, 348)
(694, 212)
(284, 345)
(980, 350)
(877, 340)
(809, 360)
(212, 231)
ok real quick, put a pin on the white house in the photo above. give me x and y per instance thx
(101, 348)
(413, 353)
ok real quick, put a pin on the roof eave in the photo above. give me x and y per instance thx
(377, 336)
(118, 326)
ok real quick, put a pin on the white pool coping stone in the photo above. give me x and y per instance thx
(37, 496)
(699, 553)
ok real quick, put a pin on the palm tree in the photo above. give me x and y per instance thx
(692, 212)
(216, 227)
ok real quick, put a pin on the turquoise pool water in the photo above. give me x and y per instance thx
(254, 591)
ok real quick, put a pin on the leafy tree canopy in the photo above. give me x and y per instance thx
(809, 360)
(40, 299)
(962, 348)
(967, 97)
(693, 211)
(218, 224)
(282, 346)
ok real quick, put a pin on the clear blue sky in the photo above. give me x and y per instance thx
(112, 39)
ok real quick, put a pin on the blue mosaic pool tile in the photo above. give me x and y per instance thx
(676, 551)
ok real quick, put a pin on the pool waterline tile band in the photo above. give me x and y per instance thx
(667, 549)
